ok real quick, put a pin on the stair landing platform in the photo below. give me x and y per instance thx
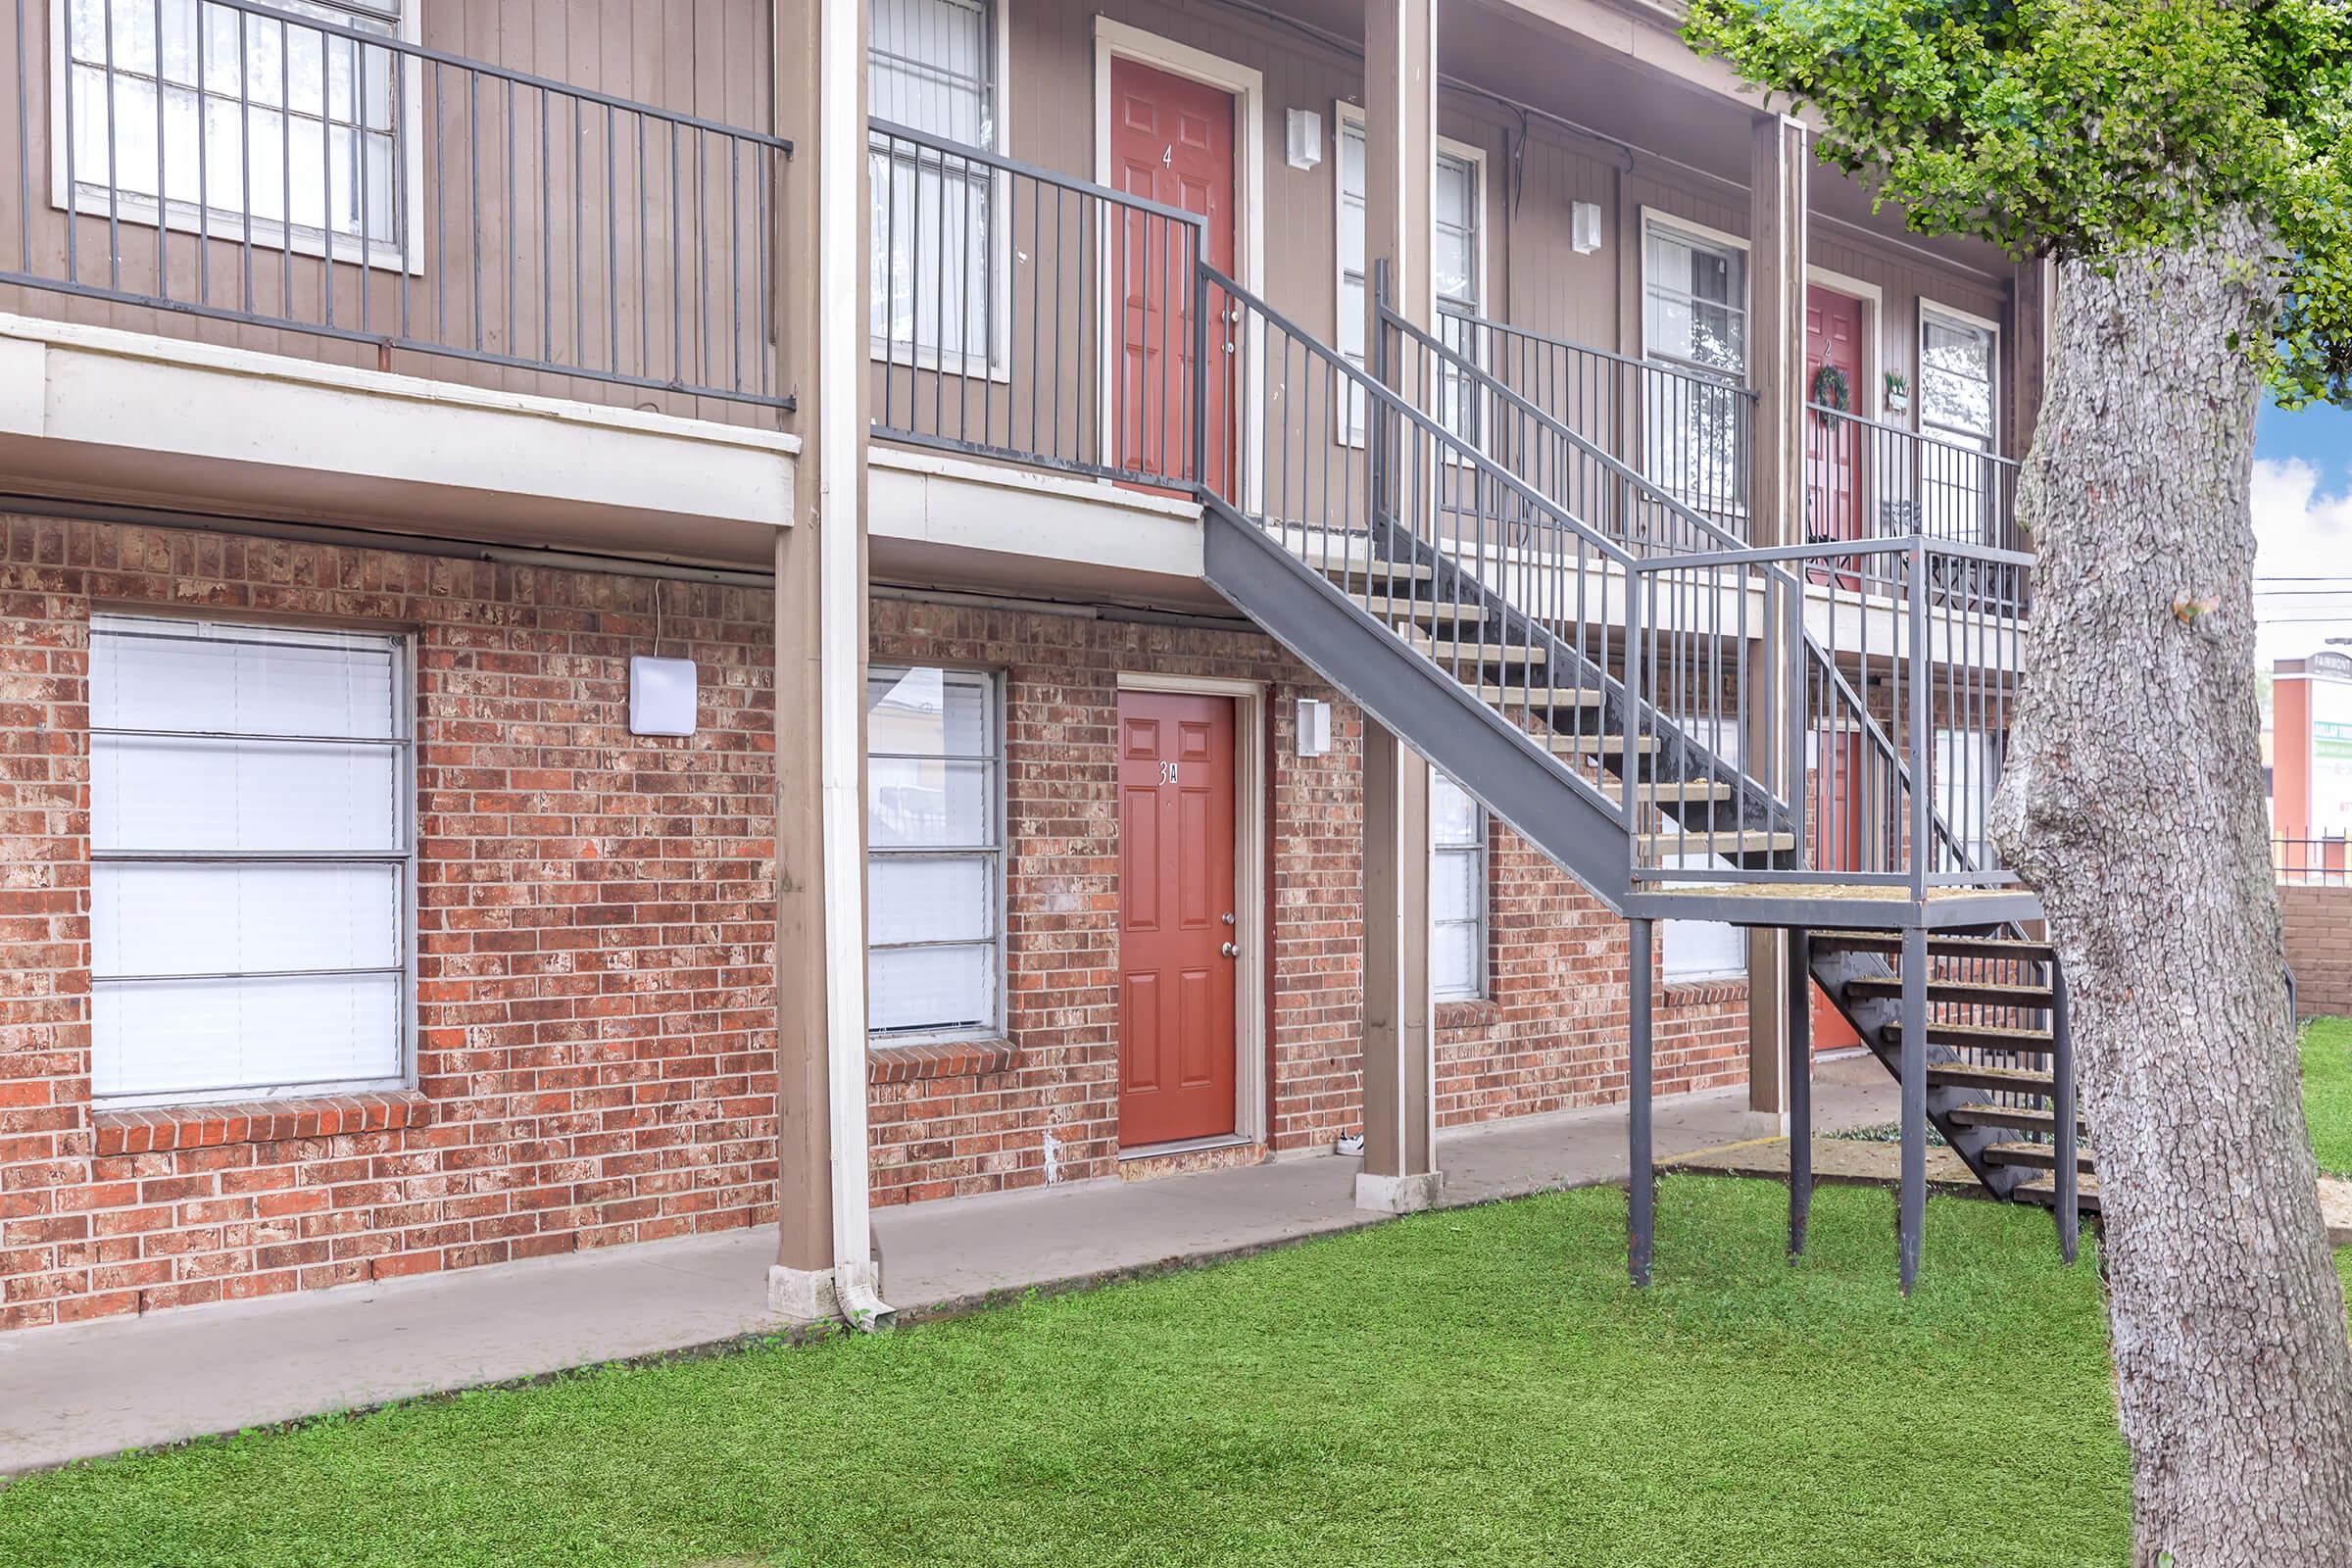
(1826, 901)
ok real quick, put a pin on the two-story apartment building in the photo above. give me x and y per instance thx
(618, 620)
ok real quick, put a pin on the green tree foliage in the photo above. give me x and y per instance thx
(2089, 129)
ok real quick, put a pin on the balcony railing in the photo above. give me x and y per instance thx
(1025, 315)
(1686, 430)
(1905, 660)
(1865, 480)
(230, 160)
(2313, 862)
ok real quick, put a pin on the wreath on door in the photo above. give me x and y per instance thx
(1831, 389)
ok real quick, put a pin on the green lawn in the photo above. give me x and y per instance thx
(2327, 1091)
(1480, 1386)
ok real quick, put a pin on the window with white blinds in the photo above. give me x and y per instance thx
(1457, 892)
(931, 66)
(1457, 250)
(260, 118)
(934, 852)
(252, 859)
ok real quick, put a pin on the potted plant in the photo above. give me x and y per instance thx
(1898, 392)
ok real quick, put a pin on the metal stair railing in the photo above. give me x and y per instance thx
(1659, 526)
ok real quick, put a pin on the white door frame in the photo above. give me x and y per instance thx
(1250, 887)
(1124, 41)
(1870, 397)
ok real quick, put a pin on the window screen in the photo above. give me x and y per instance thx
(251, 847)
(1457, 891)
(291, 126)
(934, 861)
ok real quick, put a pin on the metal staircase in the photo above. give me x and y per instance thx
(1416, 533)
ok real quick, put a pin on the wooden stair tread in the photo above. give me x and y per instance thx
(2043, 1189)
(1683, 790)
(1752, 841)
(1889, 942)
(1406, 607)
(1977, 1036)
(1561, 744)
(2003, 1080)
(1553, 698)
(2011, 1119)
(1359, 569)
(1988, 993)
(1452, 651)
(2033, 1156)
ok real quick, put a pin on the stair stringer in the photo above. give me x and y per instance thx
(1499, 765)
(1832, 969)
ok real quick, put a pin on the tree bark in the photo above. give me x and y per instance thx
(2133, 805)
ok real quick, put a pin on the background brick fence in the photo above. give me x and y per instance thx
(2319, 946)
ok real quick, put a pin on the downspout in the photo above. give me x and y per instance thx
(841, 636)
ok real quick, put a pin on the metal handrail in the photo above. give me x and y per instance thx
(1767, 560)
(1919, 436)
(1611, 356)
(1379, 393)
(965, 152)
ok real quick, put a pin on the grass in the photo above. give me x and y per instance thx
(2327, 1091)
(1477, 1385)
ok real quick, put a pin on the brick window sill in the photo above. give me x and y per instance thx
(1703, 993)
(164, 1128)
(955, 1059)
(1468, 1012)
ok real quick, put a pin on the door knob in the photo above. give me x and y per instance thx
(1231, 952)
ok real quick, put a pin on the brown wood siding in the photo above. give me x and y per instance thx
(710, 58)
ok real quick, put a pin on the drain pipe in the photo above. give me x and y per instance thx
(857, 1296)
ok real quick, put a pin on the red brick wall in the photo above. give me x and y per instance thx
(2319, 947)
(595, 1050)
(595, 1055)
(1551, 1036)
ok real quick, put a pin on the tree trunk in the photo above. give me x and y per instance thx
(2133, 805)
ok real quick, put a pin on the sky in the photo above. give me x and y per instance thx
(2303, 530)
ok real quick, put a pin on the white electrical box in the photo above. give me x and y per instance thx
(1314, 728)
(1583, 226)
(1302, 137)
(662, 696)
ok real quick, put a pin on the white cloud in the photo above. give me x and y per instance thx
(2299, 531)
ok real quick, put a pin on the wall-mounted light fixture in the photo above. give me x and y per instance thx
(1302, 137)
(662, 696)
(1583, 226)
(1314, 728)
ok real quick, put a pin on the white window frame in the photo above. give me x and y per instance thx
(993, 853)
(1722, 737)
(1652, 221)
(936, 356)
(404, 857)
(231, 225)
(1953, 316)
(1349, 119)
(1478, 851)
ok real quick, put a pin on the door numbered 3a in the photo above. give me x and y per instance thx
(1167, 774)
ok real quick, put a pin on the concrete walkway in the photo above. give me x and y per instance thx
(94, 1389)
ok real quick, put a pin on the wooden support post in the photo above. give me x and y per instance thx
(1641, 1176)
(824, 1250)
(1912, 1209)
(1800, 1089)
(1401, 1171)
(1778, 199)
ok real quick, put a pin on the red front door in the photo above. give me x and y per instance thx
(1176, 918)
(1836, 827)
(1834, 457)
(1171, 142)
